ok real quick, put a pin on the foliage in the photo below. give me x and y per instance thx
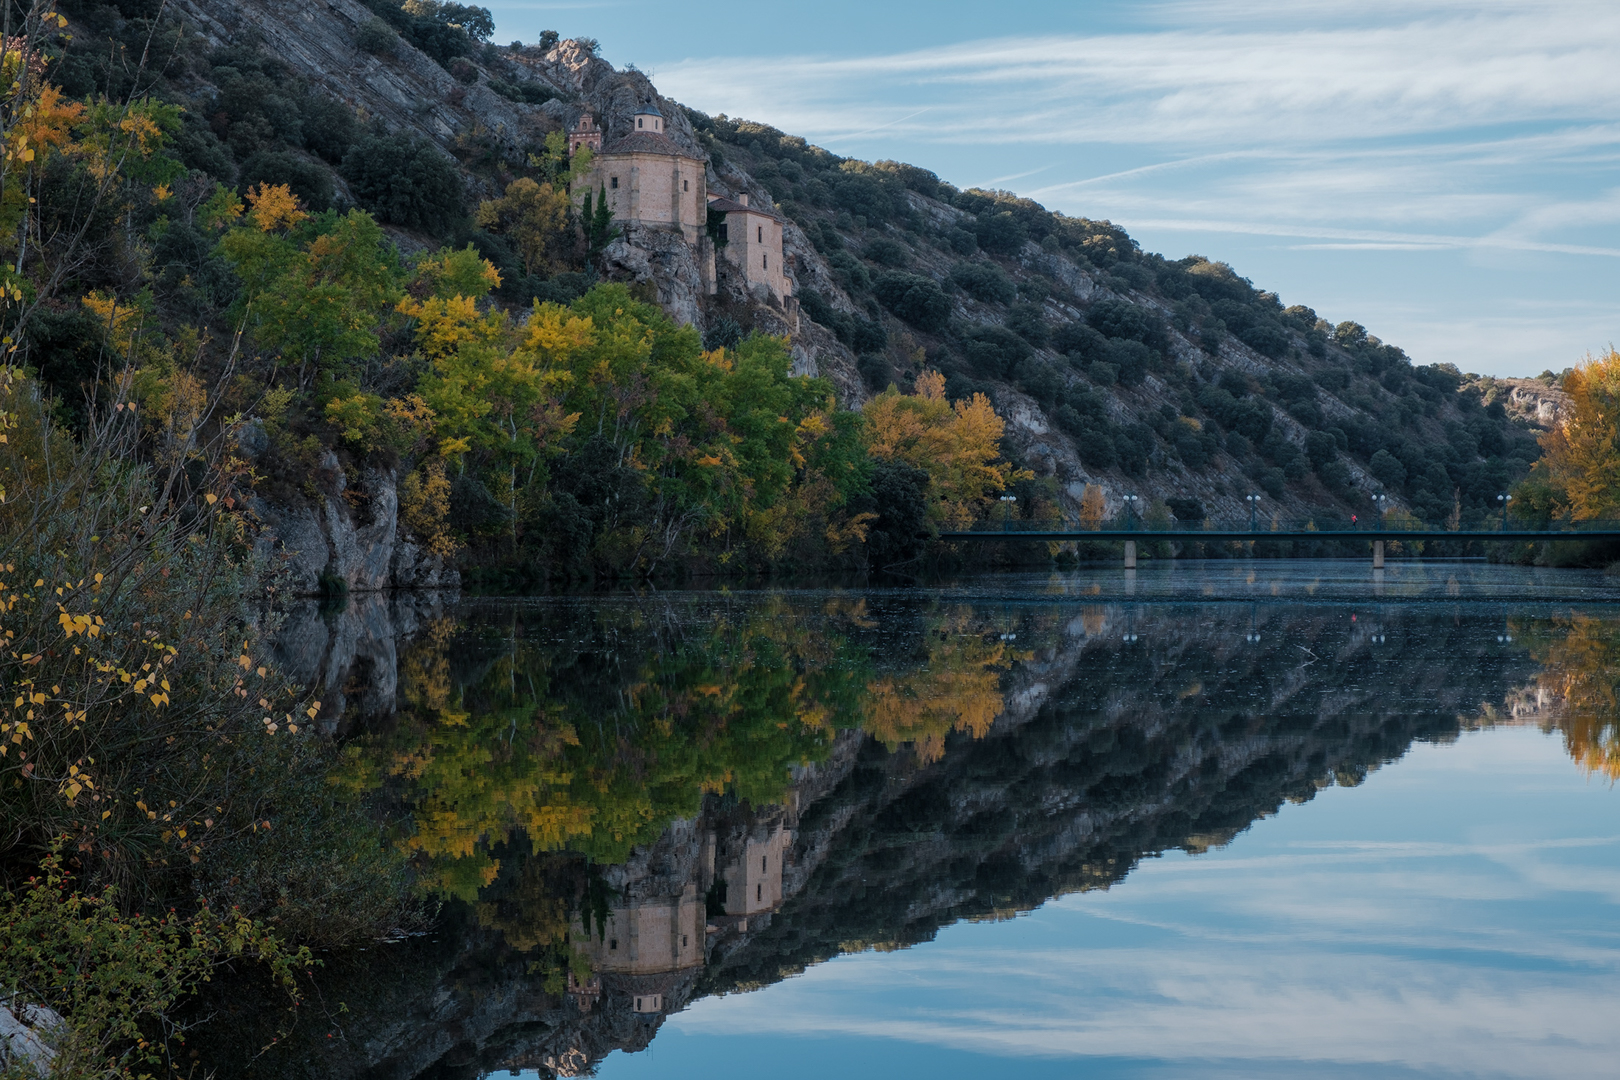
(957, 445)
(118, 980)
(405, 181)
(1580, 472)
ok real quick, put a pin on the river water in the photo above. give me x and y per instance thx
(1200, 819)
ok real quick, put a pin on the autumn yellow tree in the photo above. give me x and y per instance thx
(957, 444)
(1579, 473)
(535, 217)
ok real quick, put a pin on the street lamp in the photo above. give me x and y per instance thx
(1007, 501)
(1130, 502)
(1254, 504)
(1381, 503)
(1504, 498)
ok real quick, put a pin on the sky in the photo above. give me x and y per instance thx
(1445, 172)
(1451, 916)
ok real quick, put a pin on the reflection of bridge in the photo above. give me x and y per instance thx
(1342, 531)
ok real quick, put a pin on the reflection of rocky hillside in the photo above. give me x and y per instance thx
(1107, 751)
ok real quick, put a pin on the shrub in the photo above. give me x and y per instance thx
(1096, 448)
(887, 252)
(310, 181)
(1080, 341)
(1388, 470)
(1186, 509)
(1001, 233)
(962, 242)
(984, 281)
(916, 299)
(1119, 319)
(376, 37)
(1133, 359)
(1027, 321)
(994, 351)
(405, 181)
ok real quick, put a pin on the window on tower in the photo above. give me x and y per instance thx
(613, 182)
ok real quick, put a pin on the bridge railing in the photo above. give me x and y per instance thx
(1371, 527)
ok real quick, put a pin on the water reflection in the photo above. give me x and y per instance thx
(629, 803)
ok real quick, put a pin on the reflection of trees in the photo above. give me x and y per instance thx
(595, 745)
(957, 687)
(1580, 658)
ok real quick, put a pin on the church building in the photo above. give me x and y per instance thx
(751, 240)
(650, 182)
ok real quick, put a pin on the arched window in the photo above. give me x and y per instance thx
(765, 262)
(640, 122)
(762, 234)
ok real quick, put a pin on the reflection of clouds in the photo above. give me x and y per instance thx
(1487, 947)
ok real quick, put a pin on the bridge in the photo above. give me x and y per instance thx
(1376, 533)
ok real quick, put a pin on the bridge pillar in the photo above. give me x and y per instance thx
(1130, 554)
(1378, 554)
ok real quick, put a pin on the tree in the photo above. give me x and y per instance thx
(404, 181)
(1581, 462)
(958, 446)
(536, 219)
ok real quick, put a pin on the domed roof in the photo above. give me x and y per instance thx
(649, 110)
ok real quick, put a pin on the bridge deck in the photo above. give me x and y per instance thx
(1190, 535)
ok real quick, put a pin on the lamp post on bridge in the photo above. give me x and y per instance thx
(1504, 498)
(1130, 502)
(1381, 503)
(1006, 521)
(1254, 505)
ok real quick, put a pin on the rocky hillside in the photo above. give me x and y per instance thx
(1176, 379)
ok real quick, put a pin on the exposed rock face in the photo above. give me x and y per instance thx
(1536, 402)
(335, 542)
(25, 1038)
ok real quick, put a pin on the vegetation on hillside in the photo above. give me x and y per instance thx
(1143, 374)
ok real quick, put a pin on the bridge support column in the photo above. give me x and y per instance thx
(1130, 555)
(1378, 554)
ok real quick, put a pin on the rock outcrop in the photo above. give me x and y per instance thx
(351, 541)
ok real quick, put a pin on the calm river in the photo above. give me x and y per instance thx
(1200, 819)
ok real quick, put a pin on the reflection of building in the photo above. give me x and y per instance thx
(753, 883)
(585, 992)
(647, 937)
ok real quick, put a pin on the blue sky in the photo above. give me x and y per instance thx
(1445, 172)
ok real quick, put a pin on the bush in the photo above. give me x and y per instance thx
(376, 37)
(311, 182)
(887, 252)
(1081, 342)
(984, 281)
(1118, 319)
(962, 242)
(1133, 359)
(1186, 509)
(1096, 448)
(863, 196)
(994, 351)
(1388, 470)
(916, 299)
(1027, 322)
(405, 181)
(1001, 233)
